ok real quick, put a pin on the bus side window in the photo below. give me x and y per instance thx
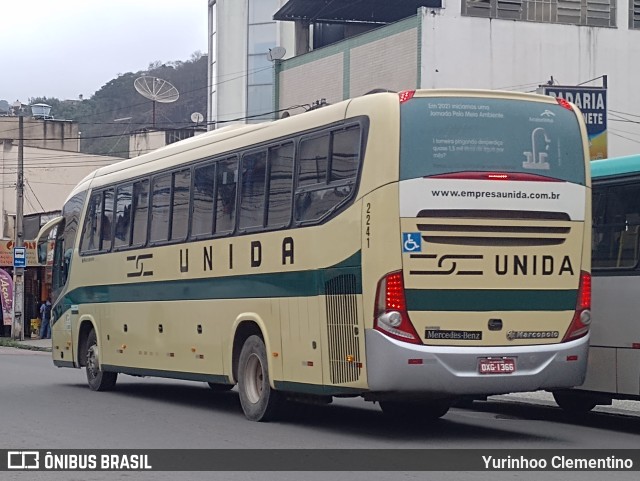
(616, 225)
(345, 154)
(280, 188)
(181, 195)
(140, 216)
(160, 205)
(123, 216)
(91, 229)
(334, 178)
(202, 210)
(252, 194)
(106, 230)
(226, 180)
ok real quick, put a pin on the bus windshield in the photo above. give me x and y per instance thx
(446, 135)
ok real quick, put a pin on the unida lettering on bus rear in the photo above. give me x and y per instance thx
(517, 265)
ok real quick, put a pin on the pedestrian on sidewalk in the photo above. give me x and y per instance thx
(45, 315)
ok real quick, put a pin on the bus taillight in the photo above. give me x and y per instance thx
(390, 314)
(563, 103)
(406, 95)
(582, 317)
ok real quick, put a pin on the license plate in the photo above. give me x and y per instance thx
(498, 365)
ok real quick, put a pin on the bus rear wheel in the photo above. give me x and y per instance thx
(574, 402)
(415, 411)
(98, 380)
(259, 401)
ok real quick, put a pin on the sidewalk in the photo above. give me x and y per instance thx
(40, 343)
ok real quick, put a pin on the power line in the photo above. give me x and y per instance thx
(208, 87)
(522, 86)
(237, 119)
(34, 194)
(623, 113)
(623, 137)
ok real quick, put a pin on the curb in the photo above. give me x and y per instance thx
(5, 342)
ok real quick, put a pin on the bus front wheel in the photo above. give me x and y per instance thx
(98, 380)
(259, 401)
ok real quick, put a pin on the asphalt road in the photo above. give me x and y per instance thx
(49, 408)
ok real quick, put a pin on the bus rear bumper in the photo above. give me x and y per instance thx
(453, 370)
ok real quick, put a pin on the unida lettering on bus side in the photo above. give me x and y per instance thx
(139, 265)
(255, 254)
(517, 265)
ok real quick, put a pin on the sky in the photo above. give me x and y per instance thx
(67, 48)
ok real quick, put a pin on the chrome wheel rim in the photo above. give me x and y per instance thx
(253, 379)
(92, 361)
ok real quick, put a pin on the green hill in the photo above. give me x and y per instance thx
(117, 108)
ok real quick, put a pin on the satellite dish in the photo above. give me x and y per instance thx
(276, 53)
(156, 90)
(197, 117)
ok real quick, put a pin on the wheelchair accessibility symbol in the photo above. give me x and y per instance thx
(411, 242)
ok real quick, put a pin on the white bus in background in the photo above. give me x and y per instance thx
(614, 357)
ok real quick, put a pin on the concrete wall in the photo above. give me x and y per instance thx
(46, 134)
(322, 78)
(144, 142)
(393, 59)
(439, 48)
(345, 70)
(471, 52)
(383, 58)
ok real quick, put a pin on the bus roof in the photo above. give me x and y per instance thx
(202, 145)
(615, 166)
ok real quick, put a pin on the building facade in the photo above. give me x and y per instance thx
(241, 76)
(489, 44)
(52, 166)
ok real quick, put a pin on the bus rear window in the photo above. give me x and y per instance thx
(449, 134)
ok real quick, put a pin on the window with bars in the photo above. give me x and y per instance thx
(595, 13)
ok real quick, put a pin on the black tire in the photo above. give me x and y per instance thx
(415, 411)
(98, 380)
(574, 402)
(217, 387)
(259, 401)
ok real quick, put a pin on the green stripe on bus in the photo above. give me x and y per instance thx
(491, 300)
(272, 285)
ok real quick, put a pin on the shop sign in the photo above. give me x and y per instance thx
(7, 252)
(6, 297)
(19, 257)
(592, 102)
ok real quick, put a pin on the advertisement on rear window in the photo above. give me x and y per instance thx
(448, 135)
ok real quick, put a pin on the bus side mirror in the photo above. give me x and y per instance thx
(41, 251)
(42, 239)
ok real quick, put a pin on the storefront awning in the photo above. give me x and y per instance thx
(343, 11)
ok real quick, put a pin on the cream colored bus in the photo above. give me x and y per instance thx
(409, 248)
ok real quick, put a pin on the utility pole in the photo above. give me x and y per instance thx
(17, 327)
